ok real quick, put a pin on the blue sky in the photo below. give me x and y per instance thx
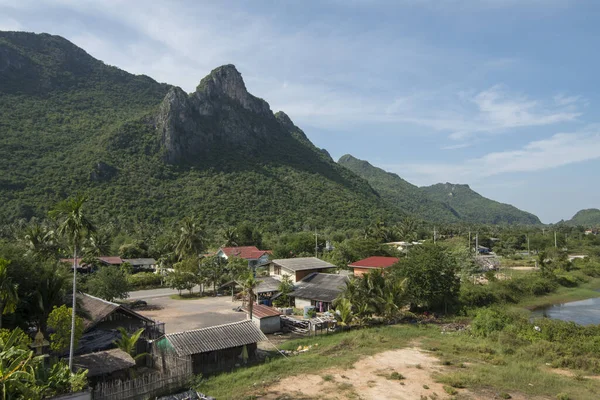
(500, 94)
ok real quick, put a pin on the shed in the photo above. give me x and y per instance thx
(298, 268)
(214, 348)
(108, 364)
(266, 318)
(319, 290)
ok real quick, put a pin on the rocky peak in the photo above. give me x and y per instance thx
(226, 81)
(285, 120)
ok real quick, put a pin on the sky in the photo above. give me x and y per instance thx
(502, 95)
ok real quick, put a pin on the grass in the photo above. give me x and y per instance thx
(488, 366)
(584, 291)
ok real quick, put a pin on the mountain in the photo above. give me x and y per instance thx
(473, 207)
(145, 151)
(589, 218)
(399, 192)
(441, 202)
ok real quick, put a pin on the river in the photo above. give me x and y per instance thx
(584, 312)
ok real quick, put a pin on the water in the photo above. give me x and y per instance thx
(584, 312)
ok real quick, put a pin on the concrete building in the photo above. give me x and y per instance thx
(298, 268)
(266, 318)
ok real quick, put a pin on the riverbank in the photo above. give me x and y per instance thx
(587, 290)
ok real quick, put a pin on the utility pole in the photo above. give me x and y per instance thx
(469, 245)
(477, 244)
(434, 235)
(316, 245)
(528, 251)
(555, 243)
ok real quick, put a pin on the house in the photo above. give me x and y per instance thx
(148, 264)
(252, 254)
(211, 349)
(266, 289)
(101, 319)
(266, 318)
(298, 268)
(114, 261)
(368, 264)
(105, 365)
(319, 290)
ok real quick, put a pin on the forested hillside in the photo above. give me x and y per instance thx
(441, 202)
(589, 218)
(145, 151)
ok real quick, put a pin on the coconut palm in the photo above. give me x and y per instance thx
(230, 237)
(9, 297)
(39, 241)
(127, 342)
(50, 293)
(343, 313)
(75, 227)
(191, 241)
(248, 286)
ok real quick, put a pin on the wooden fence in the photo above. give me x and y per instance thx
(146, 386)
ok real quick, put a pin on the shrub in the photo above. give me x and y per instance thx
(450, 390)
(490, 320)
(476, 295)
(144, 279)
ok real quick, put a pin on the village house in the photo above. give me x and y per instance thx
(105, 365)
(318, 290)
(368, 264)
(298, 268)
(101, 319)
(114, 261)
(211, 349)
(266, 318)
(141, 264)
(252, 254)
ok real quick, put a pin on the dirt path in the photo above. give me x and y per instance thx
(372, 378)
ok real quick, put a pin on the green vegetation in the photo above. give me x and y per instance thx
(589, 218)
(439, 203)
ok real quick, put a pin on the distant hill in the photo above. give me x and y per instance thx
(399, 192)
(440, 202)
(473, 207)
(589, 218)
(144, 151)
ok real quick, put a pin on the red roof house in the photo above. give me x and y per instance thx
(364, 266)
(254, 256)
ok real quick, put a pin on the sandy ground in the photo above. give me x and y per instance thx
(370, 379)
(183, 315)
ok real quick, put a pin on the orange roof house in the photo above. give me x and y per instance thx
(364, 266)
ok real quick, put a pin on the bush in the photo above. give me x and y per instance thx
(472, 296)
(144, 279)
(489, 320)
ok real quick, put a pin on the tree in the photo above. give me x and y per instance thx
(109, 283)
(230, 237)
(343, 313)
(39, 241)
(285, 288)
(237, 268)
(212, 271)
(181, 281)
(127, 342)
(431, 276)
(49, 294)
(98, 244)
(64, 336)
(74, 226)
(191, 240)
(248, 287)
(9, 297)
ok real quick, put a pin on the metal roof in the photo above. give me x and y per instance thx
(261, 311)
(375, 262)
(301, 264)
(215, 338)
(267, 284)
(140, 261)
(96, 309)
(320, 287)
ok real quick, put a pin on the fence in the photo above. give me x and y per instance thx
(146, 386)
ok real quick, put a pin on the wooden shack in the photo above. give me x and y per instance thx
(211, 349)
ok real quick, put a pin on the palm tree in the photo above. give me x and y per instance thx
(127, 342)
(50, 293)
(249, 285)
(230, 237)
(98, 244)
(9, 297)
(74, 226)
(39, 241)
(190, 242)
(343, 313)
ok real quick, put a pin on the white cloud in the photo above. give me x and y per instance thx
(556, 151)
(9, 24)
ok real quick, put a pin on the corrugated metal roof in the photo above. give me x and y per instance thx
(261, 311)
(300, 264)
(375, 262)
(247, 252)
(96, 309)
(320, 287)
(267, 284)
(215, 338)
(140, 261)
